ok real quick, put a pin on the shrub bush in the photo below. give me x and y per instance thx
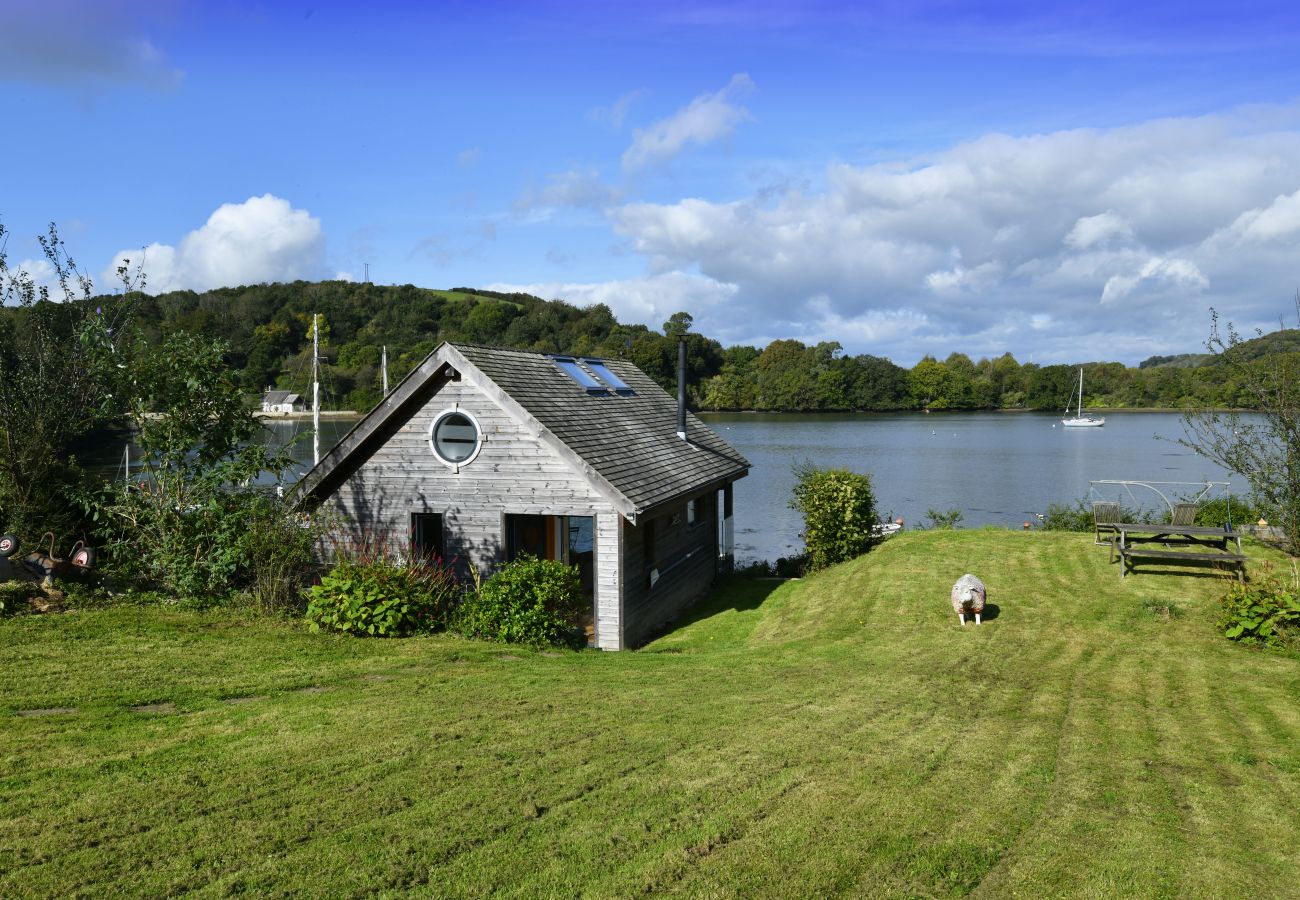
(1265, 612)
(375, 598)
(530, 601)
(839, 513)
(1064, 517)
(1215, 513)
(944, 520)
(278, 551)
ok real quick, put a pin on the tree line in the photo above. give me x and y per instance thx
(268, 329)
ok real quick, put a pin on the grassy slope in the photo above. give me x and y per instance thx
(837, 735)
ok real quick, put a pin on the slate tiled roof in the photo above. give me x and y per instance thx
(631, 441)
(275, 398)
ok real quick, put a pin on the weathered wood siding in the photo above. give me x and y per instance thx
(514, 473)
(686, 556)
(609, 581)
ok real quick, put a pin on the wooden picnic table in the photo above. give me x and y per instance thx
(1197, 545)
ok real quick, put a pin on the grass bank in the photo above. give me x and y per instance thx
(839, 735)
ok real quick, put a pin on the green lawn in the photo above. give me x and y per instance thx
(839, 735)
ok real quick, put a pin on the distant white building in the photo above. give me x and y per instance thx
(281, 402)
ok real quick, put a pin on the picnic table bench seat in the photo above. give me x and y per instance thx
(1133, 542)
(1232, 561)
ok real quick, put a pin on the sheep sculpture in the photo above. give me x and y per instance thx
(968, 593)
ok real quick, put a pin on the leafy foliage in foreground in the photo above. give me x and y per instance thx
(537, 602)
(839, 513)
(61, 361)
(190, 522)
(1264, 448)
(1266, 611)
(380, 599)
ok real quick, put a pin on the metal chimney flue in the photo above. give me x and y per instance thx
(681, 389)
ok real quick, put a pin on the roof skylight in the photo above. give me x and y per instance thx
(604, 373)
(588, 382)
(592, 375)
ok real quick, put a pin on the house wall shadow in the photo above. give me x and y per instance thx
(735, 593)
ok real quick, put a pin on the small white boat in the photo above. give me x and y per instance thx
(1079, 419)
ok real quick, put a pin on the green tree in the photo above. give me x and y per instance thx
(1264, 448)
(61, 366)
(183, 524)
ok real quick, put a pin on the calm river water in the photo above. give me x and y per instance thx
(997, 468)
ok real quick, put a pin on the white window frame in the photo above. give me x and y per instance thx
(456, 466)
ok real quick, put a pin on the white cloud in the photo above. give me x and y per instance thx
(1166, 273)
(262, 239)
(1280, 221)
(707, 118)
(1098, 229)
(1011, 242)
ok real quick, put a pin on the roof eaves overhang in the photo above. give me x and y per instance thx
(716, 484)
(367, 435)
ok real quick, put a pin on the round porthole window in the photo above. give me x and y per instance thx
(455, 437)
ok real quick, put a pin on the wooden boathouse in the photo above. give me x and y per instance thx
(481, 454)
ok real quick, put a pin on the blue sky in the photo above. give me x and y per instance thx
(1067, 182)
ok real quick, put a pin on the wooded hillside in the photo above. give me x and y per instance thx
(268, 329)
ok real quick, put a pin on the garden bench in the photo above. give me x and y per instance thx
(1105, 516)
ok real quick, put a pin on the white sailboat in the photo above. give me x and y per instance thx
(1079, 420)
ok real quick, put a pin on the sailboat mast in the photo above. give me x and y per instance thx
(315, 390)
(385, 369)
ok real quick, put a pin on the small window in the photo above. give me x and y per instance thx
(426, 536)
(648, 542)
(455, 437)
(571, 368)
(692, 515)
(604, 373)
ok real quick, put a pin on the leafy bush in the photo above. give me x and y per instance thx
(189, 522)
(530, 601)
(383, 600)
(1063, 517)
(839, 513)
(944, 520)
(279, 552)
(1265, 612)
(1215, 513)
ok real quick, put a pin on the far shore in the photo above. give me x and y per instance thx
(306, 416)
(1103, 410)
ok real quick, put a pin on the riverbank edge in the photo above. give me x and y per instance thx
(1116, 410)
